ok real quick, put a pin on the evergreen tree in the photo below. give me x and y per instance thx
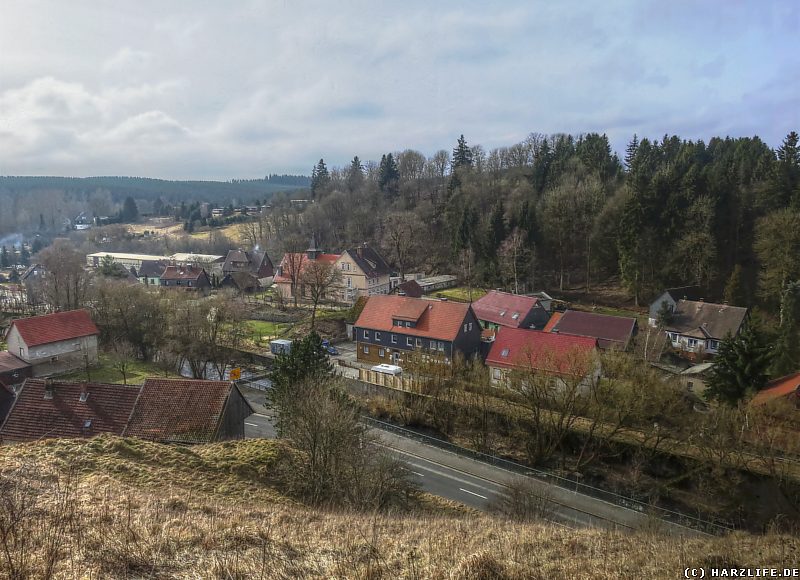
(630, 152)
(306, 361)
(4, 261)
(740, 368)
(24, 255)
(389, 176)
(320, 178)
(355, 175)
(785, 181)
(42, 225)
(496, 231)
(130, 212)
(541, 167)
(787, 343)
(462, 155)
(734, 289)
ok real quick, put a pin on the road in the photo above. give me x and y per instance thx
(480, 485)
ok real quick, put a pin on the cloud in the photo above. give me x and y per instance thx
(209, 90)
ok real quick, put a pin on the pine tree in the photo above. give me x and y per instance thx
(740, 368)
(496, 231)
(130, 212)
(355, 175)
(462, 155)
(4, 261)
(389, 176)
(319, 178)
(734, 293)
(630, 152)
(24, 255)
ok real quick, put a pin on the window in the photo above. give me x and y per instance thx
(689, 386)
(713, 344)
(441, 346)
(496, 373)
(349, 282)
(433, 345)
(380, 352)
(377, 336)
(515, 315)
(419, 342)
(502, 313)
(409, 342)
(366, 334)
(504, 353)
(470, 326)
(465, 328)
(366, 349)
(692, 342)
(394, 339)
(189, 283)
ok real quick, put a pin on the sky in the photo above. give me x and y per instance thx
(240, 89)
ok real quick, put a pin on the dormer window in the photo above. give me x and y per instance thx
(515, 315)
(504, 353)
(502, 313)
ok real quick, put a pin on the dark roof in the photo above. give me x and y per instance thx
(243, 281)
(169, 410)
(610, 331)
(254, 262)
(685, 292)
(706, 320)
(56, 327)
(9, 362)
(504, 308)
(183, 273)
(179, 410)
(31, 269)
(33, 416)
(558, 353)
(434, 319)
(152, 268)
(369, 261)
(411, 289)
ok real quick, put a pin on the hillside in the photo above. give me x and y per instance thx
(112, 507)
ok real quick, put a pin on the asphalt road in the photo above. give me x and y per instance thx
(480, 485)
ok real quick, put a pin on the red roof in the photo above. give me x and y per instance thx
(301, 259)
(554, 318)
(522, 348)
(436, 319)
(179, 410)
(610, 331)
(182, 273)
(106, 410)
(782, 387)
(55, 327)
(10, 363)
(169, 410)
(504, 308)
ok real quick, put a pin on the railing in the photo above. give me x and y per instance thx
(385, 380)
(644, 507)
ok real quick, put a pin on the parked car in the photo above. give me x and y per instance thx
(326, 344)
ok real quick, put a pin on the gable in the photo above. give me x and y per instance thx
(57, 327)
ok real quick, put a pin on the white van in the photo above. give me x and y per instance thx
(393, 370)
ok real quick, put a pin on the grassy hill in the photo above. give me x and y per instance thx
(120, 508)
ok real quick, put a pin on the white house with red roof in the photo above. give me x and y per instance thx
(54, 343)
(391, 326)
(496, 309)
(557, 355)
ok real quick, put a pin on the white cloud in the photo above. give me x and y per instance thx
(126, 59)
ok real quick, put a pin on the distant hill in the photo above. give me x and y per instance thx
(243, 190)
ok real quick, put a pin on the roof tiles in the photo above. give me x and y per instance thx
(558, 353)
(56, 327)
(437, 319)
(504, 308)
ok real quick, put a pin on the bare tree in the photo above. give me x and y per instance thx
(66, 280)
(320, 278)
(513, 255)
(400, 237)
(122, 354)
(293, 261)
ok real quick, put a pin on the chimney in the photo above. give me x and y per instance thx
(49, 389)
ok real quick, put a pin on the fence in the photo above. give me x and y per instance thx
(687, 520)
(398, 382)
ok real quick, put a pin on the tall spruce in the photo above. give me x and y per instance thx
(320, 178)
(740, 368)
(389, 176)
(462, 155)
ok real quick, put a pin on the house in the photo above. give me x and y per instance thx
(544, 299)
(290, 270)
(694, 379)
(696, 328)
(434, 283)
(33, 272)
(786, 388)
(211, 262)
(496, 309)
(33, 280)
(668, 300)
(364, 273)
(188, 411)
(256, 263)
(187, 277)
(13, 370)
(241, 282)
(559, 355)
(166, 410)
(611, 332)
(96, 260)
(149, 273)
(54, 343)
(391, 326)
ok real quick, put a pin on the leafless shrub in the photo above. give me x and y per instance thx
(525, 501)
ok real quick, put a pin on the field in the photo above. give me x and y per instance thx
(105, 372)
(122, 508)
(460, 293)
(260, 330)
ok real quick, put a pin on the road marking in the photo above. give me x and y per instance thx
(418, 473)
(260, 415)
(472, 492)
(251, 424)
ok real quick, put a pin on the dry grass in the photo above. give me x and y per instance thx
(143, 510)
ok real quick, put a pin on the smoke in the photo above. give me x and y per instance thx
(12, 240)
(257, 248)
